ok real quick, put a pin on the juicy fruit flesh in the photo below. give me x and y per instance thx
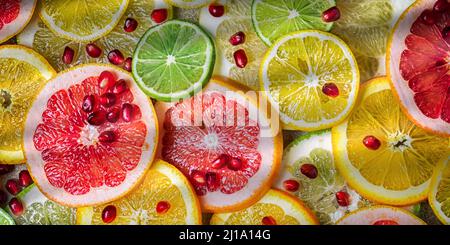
(9, 11)
(75, 159)
(46, 213)
(443, 191)
(193, 145)
(425, 65)
(259, 213)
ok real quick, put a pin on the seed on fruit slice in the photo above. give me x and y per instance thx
(159, 15)
(14, 16)
(275, 208)
(5, 219)
(70, 159)
(189, 4)
(25, 178)
(399, 171)
(216, 10)
(24, 73)
(192, 146)
(380, 215)
(130, 25)
(165, 197)
(439, 197)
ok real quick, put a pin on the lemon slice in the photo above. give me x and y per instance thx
(439, 195)
(82, 20)
(165, 197)
(188, 4)
(312, 77)
(383, 155)
(23, 74)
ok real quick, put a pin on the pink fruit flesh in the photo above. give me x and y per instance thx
(309, 170)
(331, 14)
(116, 57)
(9, 11)
(109, 214)
(130, 25)
(159, 15)
(291, 185)
(13, 186)
(93, 50)
(237, 38)
(16, 207)
(216, 10)
(68, 55)
(371, 142)
(268, 220)
(385, 222)
(162, 207)
(240, 58)
(25, 178)
(343, 198)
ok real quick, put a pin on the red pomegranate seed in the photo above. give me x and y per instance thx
(3, 198)
(13, 186)
(130, 25)
(108, 99)
(221, 161)
(16, 206)
(6, 168)
(331, 14)
(240, 58)
(441, 6)
(113, 115)
(268, 220)
(127, 112)
(198, 177)
(106, 80)
(371, 142)
(97, 118)
(330, 89)
(107, 137)
(309, 170)
(88, 103)
(216, 10)
(68, 54)
(343, 198)
(93, 50)
(385, 222)
(291, 185)
(25, 178)
(429, 17)
(235, 164)
(109, 214)
(159, 15)
(212, 181)
(237, 38)
(116, 57)
(446, 32)
(120, 87)
(127, 64)
(162, 207)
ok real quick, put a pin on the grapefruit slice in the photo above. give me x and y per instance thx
(89, 141)
(418, 65)
(14, 16)
(224, 143)
(380, 215)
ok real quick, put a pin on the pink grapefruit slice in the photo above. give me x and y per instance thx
(380, 215)
(418, 64)
(227, 146)
(14, 16)
(88, 140)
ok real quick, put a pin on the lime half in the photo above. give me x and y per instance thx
(173, 60)
(5, 219)
(273, 18)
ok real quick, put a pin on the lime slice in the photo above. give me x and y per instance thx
(273, 19)
(173, 60)
(5, 219)
(189, 4)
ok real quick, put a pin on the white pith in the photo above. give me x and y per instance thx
(88, 135)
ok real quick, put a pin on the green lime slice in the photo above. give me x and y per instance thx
(173, 60)
(273, 18)
(5, 219)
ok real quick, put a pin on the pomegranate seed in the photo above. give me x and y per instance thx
(446, 32)
(6, 168)
(212, 181)
(162, 207)
(108, 99)
(216, 10)
(198, 177)
(109, 214)
(107, 137)
(97, 118)
(113, 115)
(115, 57)
(127, 112)
(291, 185)
(331, 14)
(120, 87)
(68, 55)
(441, 6)
(330, 89)
(25, 178)
(13, 186)
(237, 38)
(3, 198)
(371, 142)
(93, 50)
(240, 58)
(385, 222)
(441, 62)
(130, 25)
(309, 170)
(221, 161)
(88, 103)
(127, 64)
(159, 15)
(106, 80)
(235, 164)
(343, 198)
(268, 220)
(429, 17)
(16, 206)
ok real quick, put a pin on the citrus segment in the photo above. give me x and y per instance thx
(380, 215)
(439, 195)
(189, 4)
(5, 219)
(14, 16)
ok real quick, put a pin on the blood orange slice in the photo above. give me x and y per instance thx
(14, 16)
(224, 143)
(418, 63)
(88, 138)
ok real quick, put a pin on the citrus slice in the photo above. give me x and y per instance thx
(418, 65)
(5, 219)
(38, 210)
(274, 19)
(189, 4)
(165, 197)
(383, 155)
(90, 137)
(233, 32)
(224, 142)
(275, 208)
(312, 77)
(380, 215)
(14, 16)
(82, 20)
(38, 36)
(308, 172)
(439, 195)
(24, 72)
